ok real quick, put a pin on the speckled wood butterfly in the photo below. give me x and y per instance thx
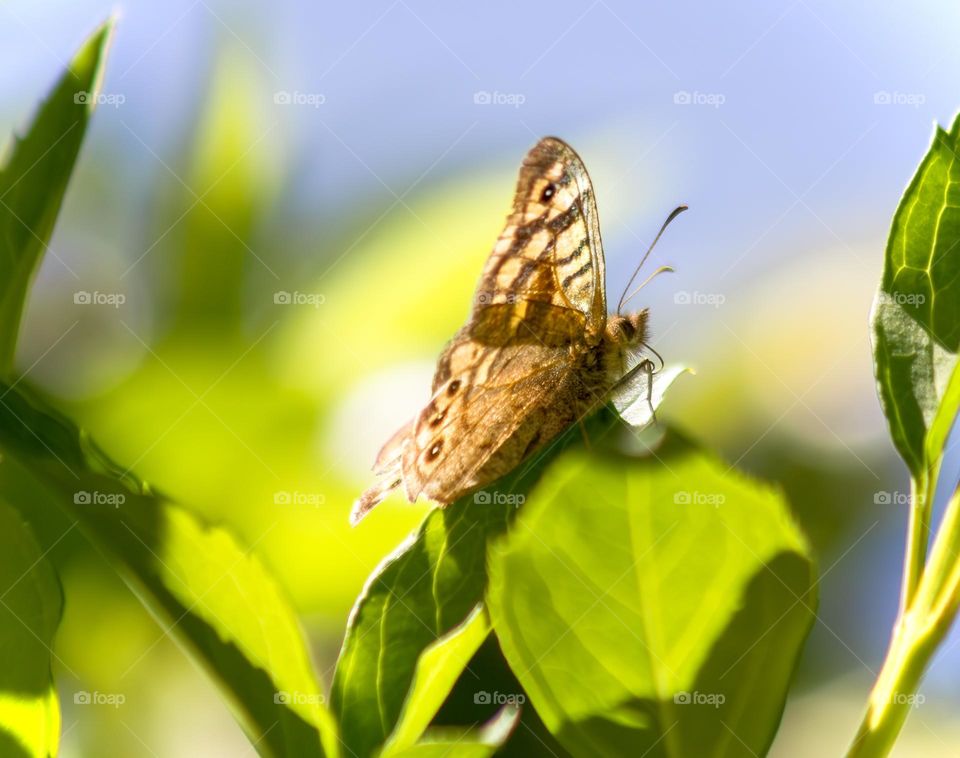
(537, 354)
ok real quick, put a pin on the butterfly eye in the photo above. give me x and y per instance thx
(549, 191)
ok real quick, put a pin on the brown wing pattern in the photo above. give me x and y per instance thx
(550, 249)
(507, 383)
(483, 421)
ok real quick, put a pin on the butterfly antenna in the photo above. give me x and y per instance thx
(673, 214)
(661, 270)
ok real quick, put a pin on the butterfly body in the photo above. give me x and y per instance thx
(537, 354)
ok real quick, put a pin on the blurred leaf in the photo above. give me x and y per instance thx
(215, 596)
(469, 743)
(438, 668)
(421, 592)
(31, 606)
(230, 183)
(916, 314)
(625, 587)
(34, 177)
(374, 259)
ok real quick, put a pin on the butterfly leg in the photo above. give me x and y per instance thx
(583, 431)
(648, 368)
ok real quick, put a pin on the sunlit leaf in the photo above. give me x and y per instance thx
(34, 177)
(438, 668)
(653, 606)
(30, 607)
(208, 592)
(916, 315)
(472, 743)
(420, 593)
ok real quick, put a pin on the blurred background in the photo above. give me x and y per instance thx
(281, 212)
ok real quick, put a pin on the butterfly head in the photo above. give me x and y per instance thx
(628, 330)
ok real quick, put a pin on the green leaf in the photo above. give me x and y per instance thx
(30, 607)
(421, 592)
(916, 314)
(438, 668)
(626, 587)
(417, 595)
(465, 743)
(209, 593)
(34, 178)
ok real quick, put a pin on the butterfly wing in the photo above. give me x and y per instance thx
(508, 382)
(550, 249)
(487, 418)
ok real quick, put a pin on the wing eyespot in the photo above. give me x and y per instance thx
(438, 418)
(434, 450)
(548, 192)
(453, 387)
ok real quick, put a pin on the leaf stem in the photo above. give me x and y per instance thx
(918, 536)
(921, 626)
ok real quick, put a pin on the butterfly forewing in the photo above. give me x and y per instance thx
(549, 251)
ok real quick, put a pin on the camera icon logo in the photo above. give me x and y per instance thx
(282, 97)
(482, 98)
(482, 698)
(681, 98)
(282, 298)
(682, 498)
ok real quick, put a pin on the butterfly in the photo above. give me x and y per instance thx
(537, 354)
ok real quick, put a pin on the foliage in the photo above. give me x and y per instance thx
(641, 595)
(916, 328)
